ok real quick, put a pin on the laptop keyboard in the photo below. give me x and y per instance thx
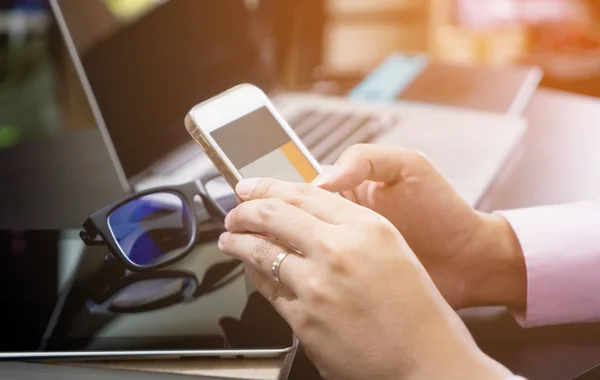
(327, 134)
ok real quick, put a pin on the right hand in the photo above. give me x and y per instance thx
(474, 258)
(349, 277)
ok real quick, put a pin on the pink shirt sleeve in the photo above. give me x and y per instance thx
(561, 245)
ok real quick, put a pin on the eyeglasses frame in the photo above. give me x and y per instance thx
(96, 229)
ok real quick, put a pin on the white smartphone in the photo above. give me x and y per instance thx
(245, 137)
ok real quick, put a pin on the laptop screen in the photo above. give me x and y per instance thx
(147, 69)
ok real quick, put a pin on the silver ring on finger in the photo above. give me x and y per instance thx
(277, 265)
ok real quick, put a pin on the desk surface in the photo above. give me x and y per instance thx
(559, 162)
(251, 369)
(560, 157)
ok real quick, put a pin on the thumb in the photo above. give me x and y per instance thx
(367, 162)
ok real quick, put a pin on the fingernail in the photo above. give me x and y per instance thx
(227, 219)
(329, 174)
(245, 186)
(223, 238)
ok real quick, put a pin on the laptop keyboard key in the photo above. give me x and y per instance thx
(334, 121)
(363, 135)
(339, 135)
(310, 122)
(297, 118)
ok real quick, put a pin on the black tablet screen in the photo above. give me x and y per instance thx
(58, 295)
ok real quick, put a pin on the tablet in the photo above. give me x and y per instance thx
(61, 299)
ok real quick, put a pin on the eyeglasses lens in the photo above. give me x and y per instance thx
(152, 229)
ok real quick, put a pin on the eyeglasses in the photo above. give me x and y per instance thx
(155, 228)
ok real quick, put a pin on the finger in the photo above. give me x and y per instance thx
(322, 204)
(325, 169)
(261, 253)
(282, 299)
(367, 162)
(279, 220)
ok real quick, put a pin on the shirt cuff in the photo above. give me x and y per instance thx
(561, 245)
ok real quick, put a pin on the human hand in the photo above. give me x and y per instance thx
(474, 258)
(356, 296)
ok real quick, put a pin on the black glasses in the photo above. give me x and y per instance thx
(154, 228)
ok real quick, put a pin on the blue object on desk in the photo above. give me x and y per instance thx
(388, 80)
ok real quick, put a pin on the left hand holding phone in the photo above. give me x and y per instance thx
(350, 287)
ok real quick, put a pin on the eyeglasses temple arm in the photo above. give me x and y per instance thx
(91, 240)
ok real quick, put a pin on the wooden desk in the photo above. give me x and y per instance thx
(251, 369)
(560, 157)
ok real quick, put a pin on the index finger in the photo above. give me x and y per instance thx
(324, 205)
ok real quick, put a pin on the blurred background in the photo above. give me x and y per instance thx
(313, 40)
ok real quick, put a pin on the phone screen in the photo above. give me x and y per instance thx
(258, 146)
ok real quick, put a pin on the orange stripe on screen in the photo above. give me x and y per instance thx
(301, 163)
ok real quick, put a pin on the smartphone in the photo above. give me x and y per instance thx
(245, 137)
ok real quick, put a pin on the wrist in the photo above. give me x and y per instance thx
(473, 365)
(498, 271)
(451, 353)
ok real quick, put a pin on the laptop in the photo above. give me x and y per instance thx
(142, 76)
